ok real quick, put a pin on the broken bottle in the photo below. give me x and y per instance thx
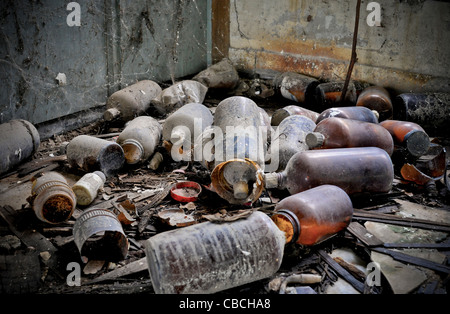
(211, 257)
(340, 133)
(139, 139)
(313, 216)
(355, 170)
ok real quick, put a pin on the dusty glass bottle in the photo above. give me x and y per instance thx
(429, 110)
(329, 94)
(19, 141)
(341, 133)
(139, 139)
(239, 150)
(288, 140)
(313, 216)
(351, 112)
(377, 98)
(186, 123)
(295, 86)
(282, 113)
(86, 189)
(355, 170)
(91, 153)
(52, 199)
(210, 257)
(408, 135)
(131, 101)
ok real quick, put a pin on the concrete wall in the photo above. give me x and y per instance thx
(118, 42)
(409, 51)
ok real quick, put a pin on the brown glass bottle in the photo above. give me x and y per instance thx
(340, 133)
(296, 87)
(408, 135)
(352, 112)
(282, 113)
(315, 215)
(329, 94)
(355, 170)
(377, 98)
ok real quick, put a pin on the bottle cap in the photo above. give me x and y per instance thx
(314, 139)
(271, 180)
(293, 220)
(110, 114)
(376, 114)
(101, 175)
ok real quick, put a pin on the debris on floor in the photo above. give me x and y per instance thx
(96, 210)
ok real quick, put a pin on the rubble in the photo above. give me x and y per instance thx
(394, 241)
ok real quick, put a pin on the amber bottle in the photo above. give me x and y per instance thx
(315, 215)
(408, 135)
(355, 170)
(295, 86)
(282, 113)
(340, 133)
(351, 112)
(378, 99)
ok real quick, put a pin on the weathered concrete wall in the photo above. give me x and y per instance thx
(118, 42)
(409, 51)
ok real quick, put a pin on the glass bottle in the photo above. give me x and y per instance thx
(429, 110)
(295, 86)
(329, 94)
(408, 135)
(91, 153)
(282, 113)
(131, 101)
(289, 139)
(52, 198)
(355, 170)
(341, 133)
(86, 189)
(239, 150)
(210, 257)
(351, 112)
(186, 123)
(313, 216)
(139, 139)
(377, 98)
(19, 141)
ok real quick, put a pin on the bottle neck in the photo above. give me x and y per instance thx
(287, 222)
(274, 180)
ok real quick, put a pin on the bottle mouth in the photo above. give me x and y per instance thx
(133, 151)
(293, 233)
(239, 181)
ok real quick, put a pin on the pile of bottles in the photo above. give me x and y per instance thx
(321, 158)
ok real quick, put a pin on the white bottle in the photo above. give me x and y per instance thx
(87, 187)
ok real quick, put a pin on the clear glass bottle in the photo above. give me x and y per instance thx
(351, 112)
(131, 101)
(313, 216)
(210, 257)
(86, 189)
(429, 110)
(341, 133)
(187, 123)
(139, 139)
(91, 153)
(282, 113)
(289, 139)
(239, 150)
(377, 98)
(19, 141)
(355, 170)
(295, 86)
(409, 136)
